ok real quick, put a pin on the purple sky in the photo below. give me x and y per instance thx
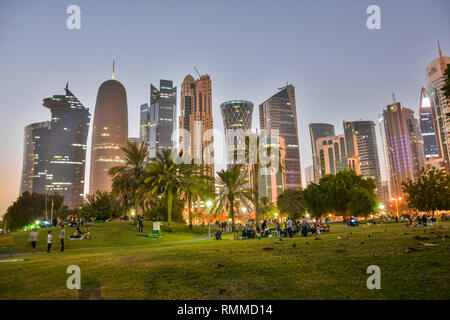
(340, 69)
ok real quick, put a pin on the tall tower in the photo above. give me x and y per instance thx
(317, 131)
(279, 113)
(158, 118)
(431, 146)
(368, 151)
(236, 115)
(109, 134)
(196, 119)
(402, 146)
(440, 104)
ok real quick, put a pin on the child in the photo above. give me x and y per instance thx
(49, 241)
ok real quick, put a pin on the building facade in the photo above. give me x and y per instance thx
(196, 121)
(440, 104)
(309, 174)
(427, 128)
(109, 134)
(402, 146)
(366, 140)
(157, 121)
(236, 116)
(279, 113)
(335, 156)
(316, 131)
(55, 151)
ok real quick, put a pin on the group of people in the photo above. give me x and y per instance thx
(33, 238)
(417, 221)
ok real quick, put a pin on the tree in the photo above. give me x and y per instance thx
(165, 176)
(446, 87)
(100, 205)
(430, 192)
(345, 194)
(30, 207)
(232, 183)
(267, 208)
(126, 178)
(291, 203)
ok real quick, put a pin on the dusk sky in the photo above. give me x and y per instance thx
(340, 69)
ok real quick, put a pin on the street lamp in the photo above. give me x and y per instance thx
(244, 210)
(396, 203)
(208, 205)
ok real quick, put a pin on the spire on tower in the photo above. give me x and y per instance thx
(67, 85)
(442, 62)
(113, 72)
(394, 101)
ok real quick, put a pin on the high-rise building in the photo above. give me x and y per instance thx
(236, 115)
(440, 104)
(309, 174)
(158, 120)
(427, 128)
(55, 151)
(335, 156)
(279, 113)
(367, 147)
(134, 140)
(109, 134)
(402, 145)
(196, 119)
(35, 156)
(316, 131)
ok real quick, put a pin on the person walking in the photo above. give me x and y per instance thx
(49, 240)
(304, 227)
(33, 239)
(62, 235)
(289, 227)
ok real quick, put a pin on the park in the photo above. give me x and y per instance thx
(186, 264)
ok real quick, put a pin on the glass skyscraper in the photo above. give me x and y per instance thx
(279, 112)
(427, 126)
(368, 151)
(55, 151)
(157, 121)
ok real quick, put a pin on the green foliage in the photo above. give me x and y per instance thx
(430, 192)
(30, 207)
(345, 194)
(291, 203)
(267, 208)
(100, 205)
(159, 210)
(232, 183)
(446, 87)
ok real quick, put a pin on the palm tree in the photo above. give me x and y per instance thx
(267, 208)
(165, 176)
(232, 184)
(291, 202)
(126, 177)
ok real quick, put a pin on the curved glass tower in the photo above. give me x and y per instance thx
(109, 134)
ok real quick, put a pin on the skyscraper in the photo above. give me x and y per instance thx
(402, 146)
(309, 174)
(158, 119)
(109, 134)
(427, 128)
(279, 113)
(196, 119)
(236, 115)
(367, 147)
(440, 104)
(35, 156)
(316, 131)
(55, 151)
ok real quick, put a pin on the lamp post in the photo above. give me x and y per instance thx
(396, 203)
(208, 205)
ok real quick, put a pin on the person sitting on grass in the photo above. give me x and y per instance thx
(87, 233)
(218, 235)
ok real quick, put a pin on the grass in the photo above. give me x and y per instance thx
(116, 264)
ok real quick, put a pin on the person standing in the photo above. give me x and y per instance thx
(62, 235)
(289, 227)
(278, 229)
(33, 239)
(49, 240)
(304, 227)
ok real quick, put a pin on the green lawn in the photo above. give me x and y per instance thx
(116, 264)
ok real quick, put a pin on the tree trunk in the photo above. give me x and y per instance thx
(169, 208)
(232, 214)
(256, 192)
(190, 212)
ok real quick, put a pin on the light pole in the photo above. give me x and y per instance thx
(396, 203)
(208, 205)
(244, 210)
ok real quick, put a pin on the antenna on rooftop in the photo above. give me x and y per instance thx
(197, 72)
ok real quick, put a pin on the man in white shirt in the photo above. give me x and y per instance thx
(49, 240)
(33, 239)
(289, 227)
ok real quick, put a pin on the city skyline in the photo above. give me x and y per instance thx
(86, 75)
